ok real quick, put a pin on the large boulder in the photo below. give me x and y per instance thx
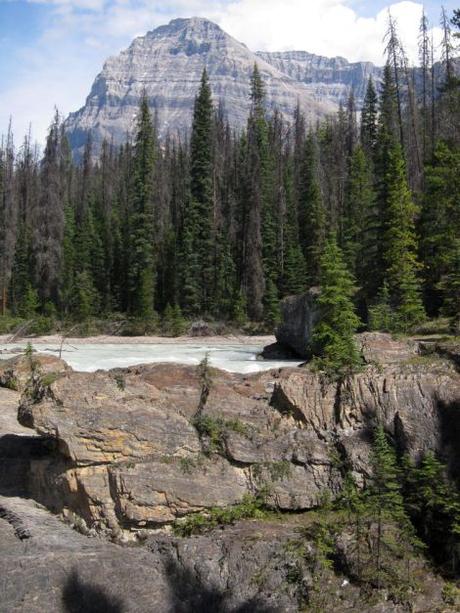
(16, 372)
(299, 316)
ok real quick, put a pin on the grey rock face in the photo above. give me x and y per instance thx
(326, 78)
(167, 63)
(136, 457)
(257, 566)
(299, 315)
(120, 453)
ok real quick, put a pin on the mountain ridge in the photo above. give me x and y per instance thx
(167, 63)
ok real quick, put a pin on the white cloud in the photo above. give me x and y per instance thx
(60, 67)
(326, 27)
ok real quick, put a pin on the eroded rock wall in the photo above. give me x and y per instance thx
(138, 449)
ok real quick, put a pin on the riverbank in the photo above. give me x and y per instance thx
(56, 339)
(231, 353)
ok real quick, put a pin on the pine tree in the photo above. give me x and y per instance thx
(433, 504)
(358, 217)
(141, 271)
(8, 217)
(440, 224)
(240, 316)
(225, 277)
(69, 260)
(333, 341)
(312, 215)
(259, 233)
(21, 277)
(385, 502)
(85, 296)
(369, 116)
(424, 57)
(294, 273)
(272, 313)
(400, 248)
(450, 286)
(381, 315)
(258, 134)
(190, 294)
(48, 219)
(173, 322)
(354, 502)
(200, 218)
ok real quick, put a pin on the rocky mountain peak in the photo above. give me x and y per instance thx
(167, 64)
(185, 28)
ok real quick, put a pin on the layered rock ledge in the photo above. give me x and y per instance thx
(125, 453)
(136, 449)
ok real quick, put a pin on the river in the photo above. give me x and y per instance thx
(89, 357)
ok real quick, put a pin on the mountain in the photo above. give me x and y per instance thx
(326, 78)
(168, 61)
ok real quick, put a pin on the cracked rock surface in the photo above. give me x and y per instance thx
(138, 448)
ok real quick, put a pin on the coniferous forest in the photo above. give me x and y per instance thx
(223, 225)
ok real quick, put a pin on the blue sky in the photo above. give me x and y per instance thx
(51, 50)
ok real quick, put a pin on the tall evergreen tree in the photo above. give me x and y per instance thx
(387, 139)
(333, 341)
(294, 274)
(312, 214)
(359, 218)
(48, 219)
(260, 235)
(400, 255)
(440, 223)
(141, 226)
(8, 217)
(200, 217)
(369, 116)
(385, 497)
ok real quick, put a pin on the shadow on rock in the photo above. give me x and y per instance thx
(82, 597)
(190, 593)
(449, 449)
(16, 454)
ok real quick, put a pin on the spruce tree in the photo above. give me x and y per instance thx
(85, 300)
(385, 499)
(69, 260)
(259, 230)
(333, 341)
(272, 314)
(433, 504)
(440, 224)
(225, 278)
(141, 271)
(48, 219)
(312, 215)
(400, 247)
(8, 217)
(239, 314)
(381, 315)
(21, 277)
(358, 222)
(387, 137)
(200, 218)
(369, 116)
(450, 287)
(294, 273)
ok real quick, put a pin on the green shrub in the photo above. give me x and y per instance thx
(215, 428)
(249, 508)
(9, 324)
(120, 381)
